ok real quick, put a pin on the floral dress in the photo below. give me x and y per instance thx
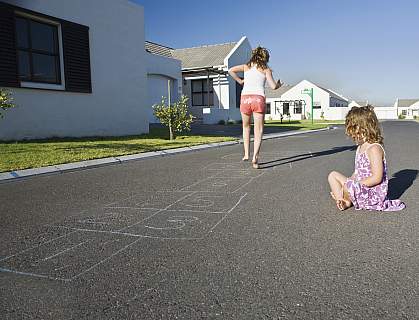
(370, 198)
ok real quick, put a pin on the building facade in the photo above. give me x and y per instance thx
(164, 77)
(74, 70)
(213, 95)
(407, 108)
(293, 102)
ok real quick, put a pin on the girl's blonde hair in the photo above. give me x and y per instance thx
(260, 58)
(362, 125)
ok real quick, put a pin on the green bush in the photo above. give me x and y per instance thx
(175, 116)
(231, 121)
(6, 101)
(222, 122)
(402, 116)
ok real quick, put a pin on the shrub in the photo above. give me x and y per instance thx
(6, 101)
(230, 121)
(175, 116)
(222, 122)
(402, 116)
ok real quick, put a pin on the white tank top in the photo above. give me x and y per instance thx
(254, 82)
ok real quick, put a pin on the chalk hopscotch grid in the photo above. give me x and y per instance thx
(119, 232)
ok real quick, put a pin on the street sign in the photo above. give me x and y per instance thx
(309, 92)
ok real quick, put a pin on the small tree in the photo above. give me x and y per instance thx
(6, 101)
(175, 116)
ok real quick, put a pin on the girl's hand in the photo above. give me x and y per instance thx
(279, 84)
(241, 81)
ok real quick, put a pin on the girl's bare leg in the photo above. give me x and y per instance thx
(258, 119)
(246, 135)
(339, 192)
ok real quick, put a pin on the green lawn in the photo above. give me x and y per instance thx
(302, 124)
(40, 153)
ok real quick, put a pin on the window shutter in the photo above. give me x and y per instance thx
(8, 59)
(76, 57)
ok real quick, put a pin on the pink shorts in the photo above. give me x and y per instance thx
(250, 103)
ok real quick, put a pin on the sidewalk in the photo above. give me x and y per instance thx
(61, 168)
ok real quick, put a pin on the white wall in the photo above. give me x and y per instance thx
(408, 112)
(118, 104)
(386, 112)
(221, 92)
(240, 54)
(319, 96)
(159, 71)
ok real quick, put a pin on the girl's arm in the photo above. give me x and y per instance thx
(274, 85)
(233, 73)
(375, 155)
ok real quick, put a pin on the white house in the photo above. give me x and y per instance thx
(296, 102)
(164, 76)
(357, 104)
(382, 112)
(408, 108)
(76, 68)
(214, 96)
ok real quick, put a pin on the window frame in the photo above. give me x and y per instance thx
(202, 92)
(298, 105)
(59, 55)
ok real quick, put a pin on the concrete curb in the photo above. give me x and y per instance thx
(61, 168)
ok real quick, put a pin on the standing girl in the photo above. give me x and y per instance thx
(256, 73)
(367, 187)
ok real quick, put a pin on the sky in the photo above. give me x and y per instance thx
(362, 49)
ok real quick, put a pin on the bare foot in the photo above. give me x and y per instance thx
(333, 196)
(245, 158)
(343, 204)
(255, 164)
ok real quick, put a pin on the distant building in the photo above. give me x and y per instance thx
(290, 101)
(164, 76)
(408, 108)
(213, 95)
(382, 112)
(358, 104)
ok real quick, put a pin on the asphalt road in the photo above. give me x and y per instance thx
(203, 236)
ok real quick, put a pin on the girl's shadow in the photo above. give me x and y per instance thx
(304, 156)
(400, 182)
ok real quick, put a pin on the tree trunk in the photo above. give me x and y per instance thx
(172, 136)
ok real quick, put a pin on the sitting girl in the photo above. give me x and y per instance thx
(368, 185)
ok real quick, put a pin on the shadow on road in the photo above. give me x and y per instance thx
(400, 182)
(304, 156)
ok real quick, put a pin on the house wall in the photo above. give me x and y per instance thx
(320, 97)
(239, 55)
(338, 109)
(159, 71)
(221, 92)
(118, 103)
(408, 112)
(384, 113)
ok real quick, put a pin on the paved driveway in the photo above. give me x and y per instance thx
(202, 236)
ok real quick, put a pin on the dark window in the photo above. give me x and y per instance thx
(37, 51)
(298, 107)
(404, 112)
(268, 108)
(200, 92)
(286, 108)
